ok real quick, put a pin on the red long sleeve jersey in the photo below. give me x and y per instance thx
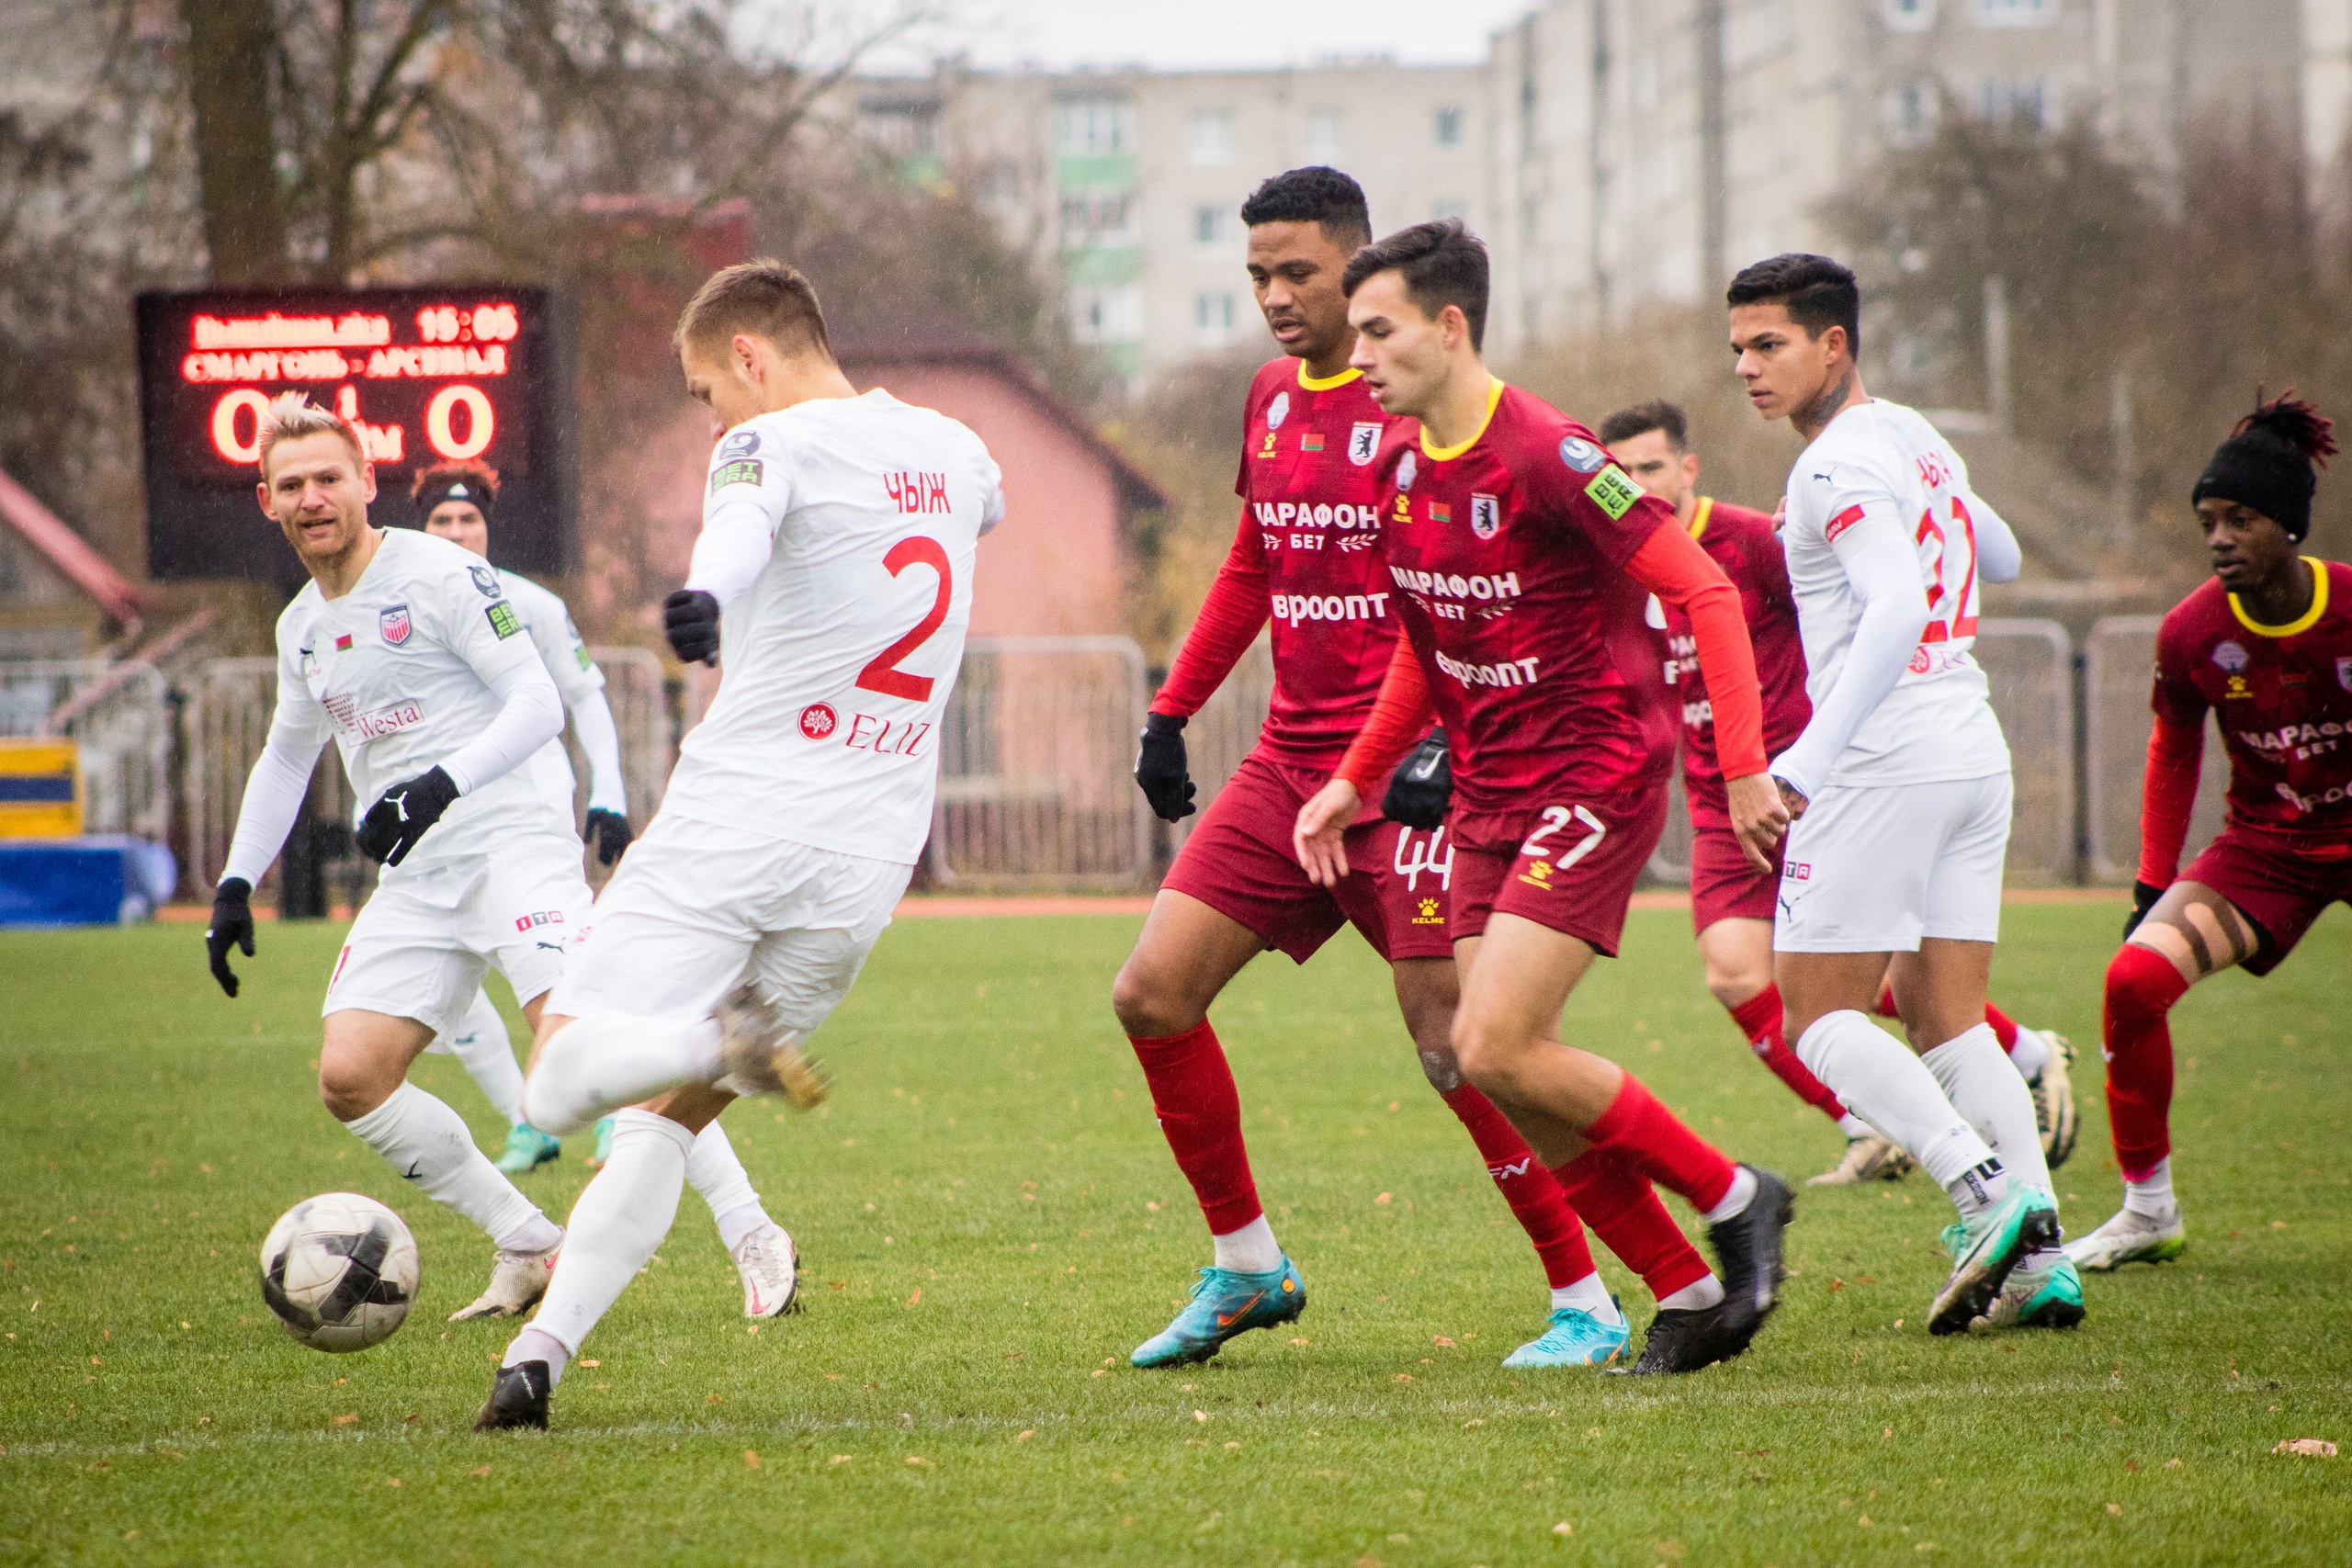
(2283, 696)
(1307, 555)
(1743, 543)
(1508, 554)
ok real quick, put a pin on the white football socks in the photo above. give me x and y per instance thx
(594, 1066)
(1591, 1296)
(2031, 1054)
(428, 1143)
(1697, 1296)
(1735, 1197)
(481, 1043)
(1250, 1250)
(621, 1217)
(1982, 1085)
(1855, 1127)
(2152, 1198)
(1894, 1092)
(713, 1170)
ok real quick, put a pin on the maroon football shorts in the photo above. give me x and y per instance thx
(1239, 861)
(1568, 865)
(1724, 887)
(2281, 883)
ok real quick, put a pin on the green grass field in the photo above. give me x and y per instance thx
(989, 1221)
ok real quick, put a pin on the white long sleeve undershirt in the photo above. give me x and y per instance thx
(530, 713)
(1885, 577)
(732, 551)
(600, 741)
(274, 792)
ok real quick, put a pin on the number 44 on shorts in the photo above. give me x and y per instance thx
(1546, 860)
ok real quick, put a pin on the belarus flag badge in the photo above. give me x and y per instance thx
(394, 624)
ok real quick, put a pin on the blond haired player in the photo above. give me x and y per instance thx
(834, 572)
(423, 675)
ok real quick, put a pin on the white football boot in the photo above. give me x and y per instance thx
(770, 1265)
(1867, 1158)
(2130, 1237)
(2054, 1100)
(517, 1283)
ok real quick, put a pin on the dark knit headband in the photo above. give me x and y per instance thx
(457, 487)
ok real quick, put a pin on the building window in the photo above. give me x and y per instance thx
(2016, 13)
(1445, 128)
(998, 188)
(900, 129)
(1100, 219)
(1208, 139)
(1910, 15)
(1212, 226)
(1107, 313)
(1322, 136)
(1911, 112)
(2016, 100)
(1094, 127)
(1213, 319)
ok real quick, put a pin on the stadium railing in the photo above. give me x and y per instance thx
(118, 713)
(2119, 662)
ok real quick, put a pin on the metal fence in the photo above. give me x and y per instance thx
(1035, 746)
(119, 714)
(2119, 662)
(2031, 667)
(227, 722)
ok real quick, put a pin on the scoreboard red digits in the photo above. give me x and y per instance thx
(424, 375)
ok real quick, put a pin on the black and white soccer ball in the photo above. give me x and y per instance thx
(340, 1271)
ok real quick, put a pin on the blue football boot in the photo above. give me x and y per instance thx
(1576, 1338)
(1226, 1302)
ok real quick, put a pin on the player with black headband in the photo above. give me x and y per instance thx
(456, 502)
(2265, 647)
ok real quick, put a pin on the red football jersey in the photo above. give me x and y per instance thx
(2283, 696)
(1308, 486)
(1743, 543)
(1508, 554)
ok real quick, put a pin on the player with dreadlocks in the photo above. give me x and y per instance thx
(2265, 646)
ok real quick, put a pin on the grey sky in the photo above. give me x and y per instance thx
(1227, 34)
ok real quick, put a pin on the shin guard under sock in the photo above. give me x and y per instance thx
(1624, 1212)
(1759, 1018)
(1649, 1138)
(2136, 1038)
(1200, 1115)
(1535, 1199)
(620, 1218)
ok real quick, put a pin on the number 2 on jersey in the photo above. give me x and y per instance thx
(881, 673)
(1952, 615)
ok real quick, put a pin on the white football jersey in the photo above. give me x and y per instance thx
(837, 664)
(569, 665)
(396, 673)
(1881, 471)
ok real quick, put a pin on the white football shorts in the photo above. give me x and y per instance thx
(693, 907)
(1875, 868)
(428, 936)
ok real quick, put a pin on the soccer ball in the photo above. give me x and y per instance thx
(339, 1270)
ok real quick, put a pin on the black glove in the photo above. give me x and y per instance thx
(690, 618)
(1160, 768)
(232, 926)
(608, 830)
(1422, 786)
(2144, 898)
(395, 823)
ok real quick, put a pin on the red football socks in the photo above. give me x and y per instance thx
(1625, 1213)
(2142, 986)
(1652, 1140)
(1535, 1199)
(1759, 1018)
(2005, 1028)
(1200, 1115)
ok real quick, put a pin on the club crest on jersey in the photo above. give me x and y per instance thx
(1581, 455)
(818, 720)
(485, 580)
(742, 444)
(394, 624)
(2230, 655)
(1406, 469)
(1486, 516)
(1278, 410)
(1363, 442)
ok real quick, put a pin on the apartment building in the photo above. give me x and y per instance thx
(1641, 150)
(1129, 184)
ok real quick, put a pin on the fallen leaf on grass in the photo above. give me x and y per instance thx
(589, 1361)
(2116, 1508)
(915, 1299)
(481, 1469)
(1404, 1377)
(916, 1461)
(839, 1459)
(1200, 1414)
(1564, 1528)
(2309, 1448)
(350, 1419)
(1440, 1339)
(715, 1399)
(1097, 1372)
(1024, 1436)
(2173, 1463)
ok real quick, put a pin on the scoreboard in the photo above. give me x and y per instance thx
(425, 375)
